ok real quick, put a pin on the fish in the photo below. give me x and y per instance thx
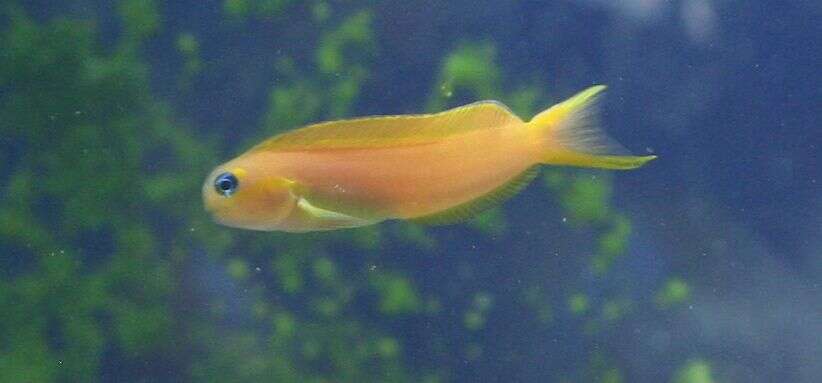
(435, 169)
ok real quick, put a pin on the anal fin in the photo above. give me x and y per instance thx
(470, 209)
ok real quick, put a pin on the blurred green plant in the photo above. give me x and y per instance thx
(79, 199)
(675, 291)
(241, 9)
(475, 317)
(694, 371)
(470, 70)
(578, 304)
(189, 47)
(396, 294)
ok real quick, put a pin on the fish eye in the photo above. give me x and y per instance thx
(226, 184)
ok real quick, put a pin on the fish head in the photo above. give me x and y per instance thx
(240, 195)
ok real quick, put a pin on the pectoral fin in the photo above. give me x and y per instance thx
(324, 219)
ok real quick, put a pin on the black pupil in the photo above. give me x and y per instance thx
(225, 184)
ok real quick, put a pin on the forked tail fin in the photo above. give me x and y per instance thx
(571, 136)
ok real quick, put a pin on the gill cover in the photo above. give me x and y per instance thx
(239, 198)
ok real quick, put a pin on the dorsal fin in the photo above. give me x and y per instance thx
(470, 209)
(388, 131)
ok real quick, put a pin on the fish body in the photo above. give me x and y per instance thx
(435, 168)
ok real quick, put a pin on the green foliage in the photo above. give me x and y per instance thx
(342, 54)
(289, 271)
(474, 318)
(396, 294)
(416, 235)
(470, 69)
(35, 311)
(490, 222)
(354, 32)
(524, 102)
(241, 9)
(694, 371)
(332, 85)
(140, 18)
(601, 369)
(321, 11)
(612, 244)
(612, 375)
(535, 297)
(367, 238)
(615, 309)
(675, 291)
(189, 47)
(88, 154)
(237, 269)
(237, 8)
(325, 270)
(292, 105)
(578, 304)
(586, 200)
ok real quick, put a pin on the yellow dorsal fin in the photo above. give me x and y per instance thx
(471, 208)
(389, 131)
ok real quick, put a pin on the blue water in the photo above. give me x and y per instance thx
(719, 280)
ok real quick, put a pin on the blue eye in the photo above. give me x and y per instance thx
(226, 184)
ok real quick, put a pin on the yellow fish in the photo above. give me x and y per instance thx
(432, 168)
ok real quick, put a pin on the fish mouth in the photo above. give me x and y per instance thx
(217, 216)
(222, 221)
(215, 209)
(211, 206)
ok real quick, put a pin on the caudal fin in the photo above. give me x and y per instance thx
(570, 134)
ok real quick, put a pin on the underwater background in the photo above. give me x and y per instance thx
(703, 266)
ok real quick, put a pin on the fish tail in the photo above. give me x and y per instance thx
(570, 135)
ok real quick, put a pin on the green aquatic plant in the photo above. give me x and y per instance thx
(292, 105)
(675, 291)
(612, 243)
(578, 303)
(536, 298)
(338, 74)
(694, 371)
(585, 199)
(471, 68)
(189, 47)
(89, 252)
(241, 9)
(396, 294)
(141, 19)
(342, 56)
(602, 369)
(415, 235)
(475, 317)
